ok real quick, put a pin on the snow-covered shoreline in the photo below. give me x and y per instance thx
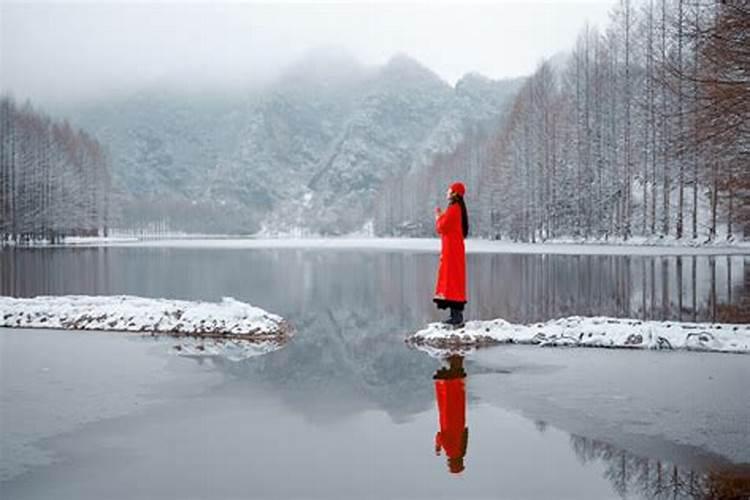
(124, 313)
(577, 331)
(432, 245)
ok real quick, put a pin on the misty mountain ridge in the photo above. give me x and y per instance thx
(308, 152)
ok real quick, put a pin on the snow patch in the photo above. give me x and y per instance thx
(93, 240)
(228, 318)
(577, 331)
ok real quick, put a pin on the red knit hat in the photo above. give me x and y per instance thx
(458, 188)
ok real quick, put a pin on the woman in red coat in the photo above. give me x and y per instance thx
(452, 226)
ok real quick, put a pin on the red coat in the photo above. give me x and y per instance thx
(451, 401)
(451, 276)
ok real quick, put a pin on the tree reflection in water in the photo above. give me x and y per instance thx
(397, 285)
(657, 479)
(631, 476)
(352, 310)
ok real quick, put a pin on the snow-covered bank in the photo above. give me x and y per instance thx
(579, 331)
(226, 319)
(432, 245)
(98, 240)
(69, 241)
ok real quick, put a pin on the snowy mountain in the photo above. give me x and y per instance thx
(309, 152)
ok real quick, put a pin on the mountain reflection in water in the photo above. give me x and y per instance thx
(352, 310)
(396, 285)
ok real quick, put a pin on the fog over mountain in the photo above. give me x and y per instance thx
(307, 152)
(245, 117)
(61, 51)
(224, 120)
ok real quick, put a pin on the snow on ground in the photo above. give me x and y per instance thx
(432, 245)
(70, 241)
(577, 331)
(93, 240)
(137, 314)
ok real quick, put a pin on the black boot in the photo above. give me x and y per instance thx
(449, 319)
(457, 318)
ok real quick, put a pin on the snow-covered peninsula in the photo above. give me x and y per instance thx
(226, 319)
(577, 331)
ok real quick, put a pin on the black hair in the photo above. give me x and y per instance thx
(457, 198)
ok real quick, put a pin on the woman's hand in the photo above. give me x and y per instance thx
(438, 212)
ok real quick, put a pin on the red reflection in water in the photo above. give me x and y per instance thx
(450, 393)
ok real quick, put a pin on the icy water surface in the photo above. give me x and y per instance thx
(346, 410)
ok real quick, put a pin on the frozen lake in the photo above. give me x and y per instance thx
(346, 410)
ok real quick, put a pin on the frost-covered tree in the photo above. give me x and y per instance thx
(612, 142)
(54, 181)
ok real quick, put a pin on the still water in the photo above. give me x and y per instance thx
(347, 410)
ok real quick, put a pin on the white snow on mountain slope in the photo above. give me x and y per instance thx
(312, 150)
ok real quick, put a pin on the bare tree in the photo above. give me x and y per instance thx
(53, 180)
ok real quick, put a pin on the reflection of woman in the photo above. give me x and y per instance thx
(452, 226)
(450, 393)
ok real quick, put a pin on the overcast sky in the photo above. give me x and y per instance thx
(52, 51)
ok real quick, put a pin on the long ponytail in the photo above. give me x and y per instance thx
(457, 198)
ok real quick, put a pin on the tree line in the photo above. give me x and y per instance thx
(642, 131)
(54, 180)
